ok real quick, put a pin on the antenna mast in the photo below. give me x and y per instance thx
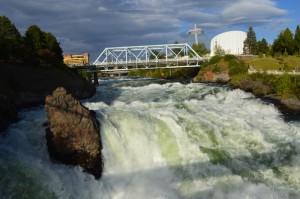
(195, 31)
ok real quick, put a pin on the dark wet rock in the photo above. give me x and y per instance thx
(8, 114)
(73, 136)
(256, 87)
(292, 103)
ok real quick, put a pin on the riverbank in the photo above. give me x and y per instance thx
(287, 105)
(22, 86)
(281, 90)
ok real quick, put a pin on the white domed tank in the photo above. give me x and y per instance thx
(232, 42)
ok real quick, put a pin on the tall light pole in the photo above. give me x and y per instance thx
(195, 31)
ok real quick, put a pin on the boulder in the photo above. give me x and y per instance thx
(73, 135)
(293, 104)
(256, 87)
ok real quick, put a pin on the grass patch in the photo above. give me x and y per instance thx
(270, 63)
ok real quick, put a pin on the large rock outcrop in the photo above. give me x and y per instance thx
(208, 76)
(73, 135)
(215, 73)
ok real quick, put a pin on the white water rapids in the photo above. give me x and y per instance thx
(163, 140)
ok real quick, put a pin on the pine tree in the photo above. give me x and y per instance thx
(285, 43)
(263, 46)
(250, 44)
(297, 40)
(11, 42)
(53, 46)
(43, 48)
(35, 38)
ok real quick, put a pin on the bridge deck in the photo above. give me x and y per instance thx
(145, 57)
(141, 65)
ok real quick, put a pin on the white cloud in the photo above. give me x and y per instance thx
(258, 11)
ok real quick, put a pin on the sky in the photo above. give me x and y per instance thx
(92, 25)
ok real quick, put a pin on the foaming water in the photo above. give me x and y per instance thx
(163, 140)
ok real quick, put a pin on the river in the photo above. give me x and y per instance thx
(163, 140)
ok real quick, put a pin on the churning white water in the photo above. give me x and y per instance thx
(163, 140)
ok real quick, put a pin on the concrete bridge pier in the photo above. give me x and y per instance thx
(89, 77)
(96, 82)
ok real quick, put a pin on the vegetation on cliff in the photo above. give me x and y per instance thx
(282, 86)
(220, 69)
(31, 67)
(35, 49)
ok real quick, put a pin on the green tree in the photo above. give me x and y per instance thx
(35, 43)
(11, 42)
(35, 38)
(297, 40)
(263, 46)
(250, 43)
(284, 43)
(200, 49)
(53, 46)
(42, 47)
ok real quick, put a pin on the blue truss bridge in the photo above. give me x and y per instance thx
(124, 59)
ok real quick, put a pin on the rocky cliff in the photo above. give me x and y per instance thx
(22, 86)
(209, 76)
(216, 73)
(73, 136)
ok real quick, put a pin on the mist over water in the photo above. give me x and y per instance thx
(163, 140)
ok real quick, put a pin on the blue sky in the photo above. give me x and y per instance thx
(290, 20)
(91, 25)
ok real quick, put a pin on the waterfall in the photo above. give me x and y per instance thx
(163, 139)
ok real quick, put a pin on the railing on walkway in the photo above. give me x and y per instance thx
(274, 72)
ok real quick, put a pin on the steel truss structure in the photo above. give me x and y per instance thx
(147, 57)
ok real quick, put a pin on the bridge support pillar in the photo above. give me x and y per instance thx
(96, 82)
(89, 77)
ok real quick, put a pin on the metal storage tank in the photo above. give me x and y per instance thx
(232, 42)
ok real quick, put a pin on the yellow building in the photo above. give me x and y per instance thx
(76, 59)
